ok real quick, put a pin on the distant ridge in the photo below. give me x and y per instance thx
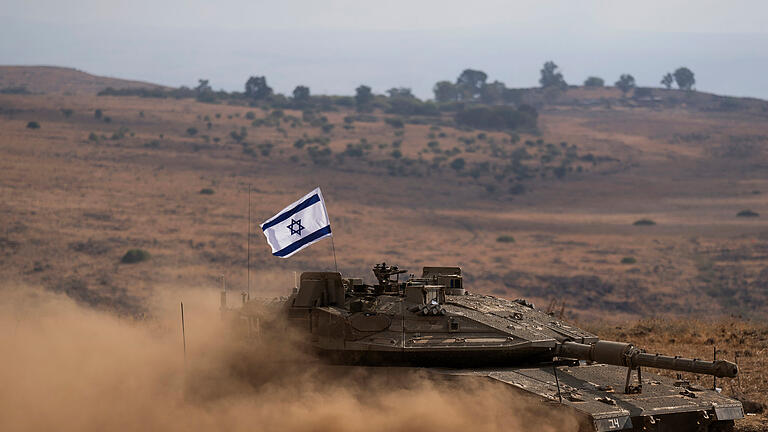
(59, 80)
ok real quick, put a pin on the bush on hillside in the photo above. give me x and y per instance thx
(134, 256)
(747, 213)
(644, 222)
(411, 106)
(15, 90)
(498, 117)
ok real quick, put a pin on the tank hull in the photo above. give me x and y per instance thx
(594, 393)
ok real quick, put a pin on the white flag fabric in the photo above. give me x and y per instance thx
(297, 226)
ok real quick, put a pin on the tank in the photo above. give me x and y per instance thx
(433, 322)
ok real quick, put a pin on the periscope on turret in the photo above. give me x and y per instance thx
(433, 322)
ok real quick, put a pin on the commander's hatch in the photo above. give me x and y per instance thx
(449, 277)
(319, 289)
(422, 294)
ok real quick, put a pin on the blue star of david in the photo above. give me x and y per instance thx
(296, 227)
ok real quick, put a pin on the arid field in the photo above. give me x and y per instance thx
(171, 177)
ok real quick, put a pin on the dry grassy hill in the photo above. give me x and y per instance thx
(60, 80)
(548, 215)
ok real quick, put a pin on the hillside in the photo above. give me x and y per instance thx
(606, 212)
(59, 80)
(548, 215)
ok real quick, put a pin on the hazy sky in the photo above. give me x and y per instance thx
(333, 46)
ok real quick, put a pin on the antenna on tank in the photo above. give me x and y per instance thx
(183, 334)
(223, 300)
(249, 242)
(714, 358)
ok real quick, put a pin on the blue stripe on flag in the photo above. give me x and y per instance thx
(299, 207)
(322, 232)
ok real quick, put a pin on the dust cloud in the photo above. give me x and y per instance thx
(66, 367)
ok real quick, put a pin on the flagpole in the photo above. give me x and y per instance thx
(333, 247)
(249, 242)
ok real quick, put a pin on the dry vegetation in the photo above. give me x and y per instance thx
(79, 192)
(744, 342)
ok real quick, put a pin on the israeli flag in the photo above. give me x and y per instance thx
(298, 225)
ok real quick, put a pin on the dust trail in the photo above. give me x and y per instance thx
(68, 368)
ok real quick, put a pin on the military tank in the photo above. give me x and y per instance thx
(433, 322)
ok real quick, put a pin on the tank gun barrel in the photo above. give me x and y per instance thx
(626, 354)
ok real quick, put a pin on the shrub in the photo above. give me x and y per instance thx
(628, 260)
(517, 189)
(412, 106)
(265, 148)
(98, 114)
(560, 171)
(33, 125)
(505, 239)
(319, 156)
(644, 222)
(397, 154)
(140, 92)
(498, 117)
(327, 128)
(192, 131)
(642, 92)
(747, 213)
(239, 136)
(93, 137)
(355, 150)
(395, 122)
(67, 112)
(250, 115)
(15, 90)
(135, 256)
(458, 164)
(207, 191)
(594, 82)
(119, 134)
